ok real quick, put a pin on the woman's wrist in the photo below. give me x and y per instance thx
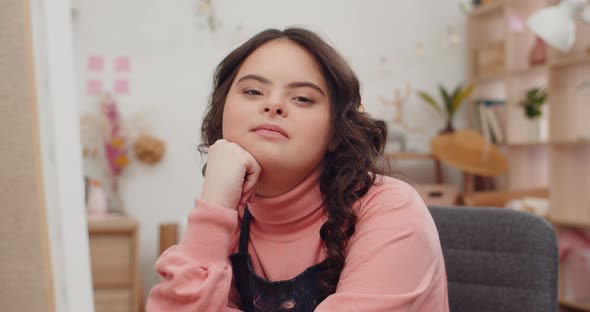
(213, 198)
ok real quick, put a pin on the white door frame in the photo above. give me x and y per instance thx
(61, 154)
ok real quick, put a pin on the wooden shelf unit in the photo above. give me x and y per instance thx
(114, 261)
(560, 161)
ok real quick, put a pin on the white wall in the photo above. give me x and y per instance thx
(173, 60)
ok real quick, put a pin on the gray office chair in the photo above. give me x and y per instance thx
(498, 260)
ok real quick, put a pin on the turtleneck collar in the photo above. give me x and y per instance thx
(288, 216)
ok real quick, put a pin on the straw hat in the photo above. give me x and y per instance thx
(470, 152)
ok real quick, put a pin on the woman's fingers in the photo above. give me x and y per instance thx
(232, 175)
(252, 169)
(248, 197)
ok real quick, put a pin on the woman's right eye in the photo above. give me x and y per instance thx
(252, 92)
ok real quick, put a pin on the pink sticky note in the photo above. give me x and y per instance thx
(516, 23)
(122, 64)
(93, 87)
(95, 63)
(121, 86)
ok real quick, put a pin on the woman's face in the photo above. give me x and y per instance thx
(278, 108)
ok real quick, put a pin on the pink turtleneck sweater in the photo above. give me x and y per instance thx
(393, 263)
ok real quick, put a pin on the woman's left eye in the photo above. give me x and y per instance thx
(303, 99)
(252, 92)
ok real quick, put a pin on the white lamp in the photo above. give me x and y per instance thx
(556, 24)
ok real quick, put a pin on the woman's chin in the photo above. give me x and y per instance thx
(269, 160)
(271, 156)
(262, 151)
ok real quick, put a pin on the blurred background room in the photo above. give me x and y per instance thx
(486, 102)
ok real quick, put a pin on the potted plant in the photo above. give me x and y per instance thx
(533, 110)
(451, 102)
(532, 104)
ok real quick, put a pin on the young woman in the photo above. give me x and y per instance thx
(295, 213)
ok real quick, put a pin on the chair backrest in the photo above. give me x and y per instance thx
(498, 259)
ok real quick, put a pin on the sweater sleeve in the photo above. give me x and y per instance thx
(196, 273)
(394, 261)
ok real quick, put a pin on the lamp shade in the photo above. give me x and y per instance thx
(555, 26)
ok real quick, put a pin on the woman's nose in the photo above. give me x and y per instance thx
(274, 109)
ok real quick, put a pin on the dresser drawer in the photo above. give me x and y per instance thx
(112, 300)
(111, 260)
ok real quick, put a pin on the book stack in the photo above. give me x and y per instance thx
(489, 119)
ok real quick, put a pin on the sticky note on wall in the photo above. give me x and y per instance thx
(122, 64)
(95, 63)
(121, 86)
(93, 87)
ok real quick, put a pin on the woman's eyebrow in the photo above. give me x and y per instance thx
(296, 84)
(255, 77)
(301, 84)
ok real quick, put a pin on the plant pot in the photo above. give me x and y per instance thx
(536, 130)
(449, 128)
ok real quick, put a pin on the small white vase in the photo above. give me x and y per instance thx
(97, 200)
(536, 130)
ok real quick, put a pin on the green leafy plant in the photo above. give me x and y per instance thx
(451, 102)
(532, 104)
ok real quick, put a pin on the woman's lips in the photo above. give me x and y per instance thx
(271, 131)
(270, 134)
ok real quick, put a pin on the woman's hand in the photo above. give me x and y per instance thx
(231, 175)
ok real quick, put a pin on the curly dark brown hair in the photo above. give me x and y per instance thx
(350, 169)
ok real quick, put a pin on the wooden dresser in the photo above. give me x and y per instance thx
(115, 264)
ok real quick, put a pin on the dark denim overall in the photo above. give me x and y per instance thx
(299, 294)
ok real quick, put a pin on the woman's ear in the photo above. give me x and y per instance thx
(361, 108)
